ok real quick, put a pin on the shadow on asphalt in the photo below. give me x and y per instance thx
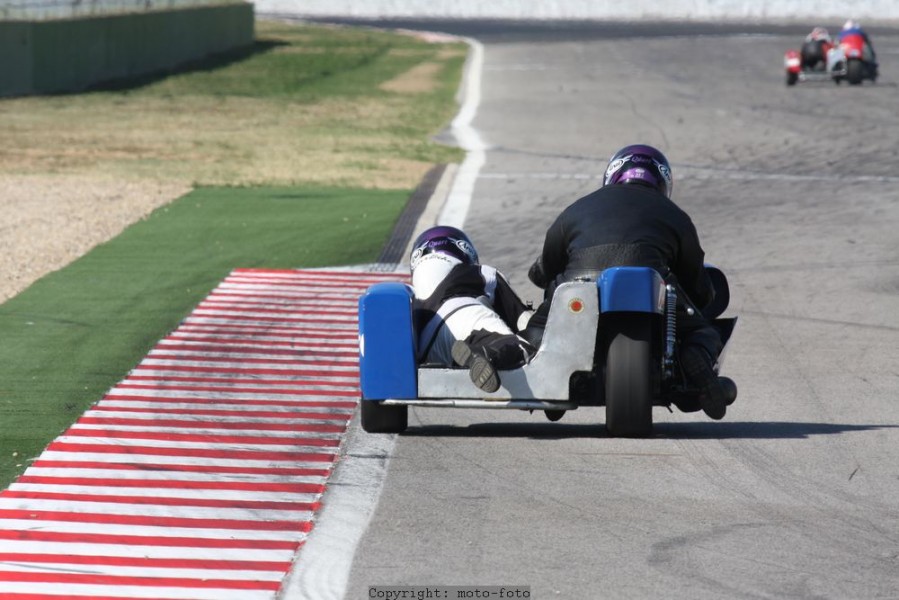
(694, 430)
(758, 429)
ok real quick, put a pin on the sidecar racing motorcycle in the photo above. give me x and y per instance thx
(812, 62)
(608, 342)
(845, 60)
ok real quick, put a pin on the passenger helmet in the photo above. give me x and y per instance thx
(444, 241)
(820, 33)
(640, 164)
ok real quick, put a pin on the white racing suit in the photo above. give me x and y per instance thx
(472, 303)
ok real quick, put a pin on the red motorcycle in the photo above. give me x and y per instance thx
(850, 60)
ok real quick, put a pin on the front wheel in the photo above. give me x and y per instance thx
(792, 78)
(628, 376)
(378, 418)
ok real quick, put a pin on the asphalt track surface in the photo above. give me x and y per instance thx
(795, 192)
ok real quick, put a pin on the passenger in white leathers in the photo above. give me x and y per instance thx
(466, 314)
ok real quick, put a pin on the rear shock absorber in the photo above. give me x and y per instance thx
(670, 331)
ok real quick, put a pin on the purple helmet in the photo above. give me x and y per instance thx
(640, 164)
(443, 240)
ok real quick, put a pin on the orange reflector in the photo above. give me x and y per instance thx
(576, 305)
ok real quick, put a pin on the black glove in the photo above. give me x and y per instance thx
(536, 274)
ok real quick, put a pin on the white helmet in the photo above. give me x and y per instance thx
(435, 253)
(819, 33)
(851, 24)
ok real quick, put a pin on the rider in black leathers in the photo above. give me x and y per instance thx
(631, 221)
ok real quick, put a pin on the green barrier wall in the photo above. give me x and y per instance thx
(38, 57)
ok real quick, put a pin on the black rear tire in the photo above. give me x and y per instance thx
(855, 71)
(628, 376)
(792, 78)
(378, 418)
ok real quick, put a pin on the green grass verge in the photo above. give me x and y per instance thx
(76, 332)
(307, 104)
(311, 108)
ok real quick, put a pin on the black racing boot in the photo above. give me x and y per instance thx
(730, 387)
(482, 372)
(714, 395)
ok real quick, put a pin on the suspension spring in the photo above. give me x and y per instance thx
(670, 330)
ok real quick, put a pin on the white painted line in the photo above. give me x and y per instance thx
(547, 176)
(164, 399)
(299, 446)
(687, 172)
(118, 571)
(290, 406)
(144, 551)
(149, 459)
(211, 432)
(270, 380)
(298, 364)
(338, 324)
(705, 173)
(282, 331)
(181, 512)
(238, 417)
(149, 476)
(215, 386)
(224, 394)
(158, 532)
(297, 357)
(98, 490)
(344, 315)
(456, 208)
(323, 345)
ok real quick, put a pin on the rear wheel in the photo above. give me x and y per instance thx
(628, 376)
(378, 418)
(855, 72)
(792, 78)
